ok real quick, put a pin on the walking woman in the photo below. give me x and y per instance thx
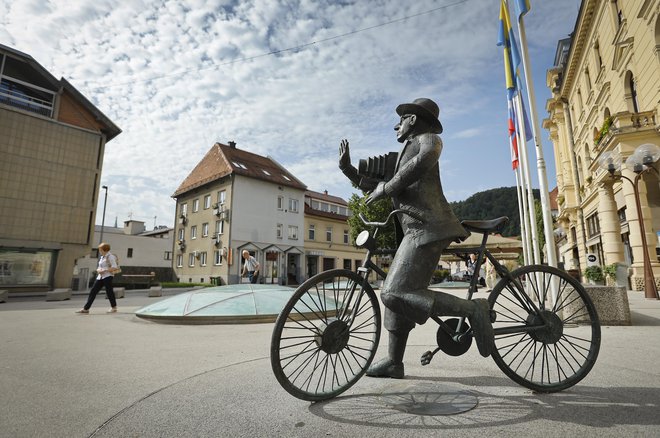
(107, 267)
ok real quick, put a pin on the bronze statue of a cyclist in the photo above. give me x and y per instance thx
(414, 185)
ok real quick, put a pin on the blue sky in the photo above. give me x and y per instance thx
(177, 76)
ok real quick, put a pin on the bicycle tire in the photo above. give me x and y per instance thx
(314, 354)
(554, 356)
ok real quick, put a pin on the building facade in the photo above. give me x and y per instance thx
(52, 144)
(327, 235)
(140, 252)
(235, 200)
(605, 97)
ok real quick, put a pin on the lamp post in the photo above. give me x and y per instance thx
(640, 162)
(105, 201)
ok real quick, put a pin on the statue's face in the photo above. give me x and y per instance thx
(404, 127)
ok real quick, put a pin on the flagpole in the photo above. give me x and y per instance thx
(522, 149)
(521, 212)
(540, 162)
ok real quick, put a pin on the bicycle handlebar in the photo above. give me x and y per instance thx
(389, 216)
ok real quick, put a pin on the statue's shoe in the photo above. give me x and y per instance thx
(482, 328)
(386, 368)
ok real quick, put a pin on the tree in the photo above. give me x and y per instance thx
(376, 212)
(491, 204)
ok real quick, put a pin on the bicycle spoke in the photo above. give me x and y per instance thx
(326, 336)
(554, 347)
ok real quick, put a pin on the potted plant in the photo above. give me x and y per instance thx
(594, 274)
(610, 274)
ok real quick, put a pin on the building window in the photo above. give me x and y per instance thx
(179, 261)
(632, 85)
(182, 234)
(184, 209)
(279, 231)
(217, 257)
(168, 255)
(328, 234)
(293, 232)
(129, 253)
(191, 259)
(293, 205)
(622, 215)
(222, 197)
(205, 229)
(202, 258)
(593, 226)
(219, 227)
(347, 264)
(193, 232)
(207, 202)
(280, 202)
(195, 205)
(312, 232)
(346, 237)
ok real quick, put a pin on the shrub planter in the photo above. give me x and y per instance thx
(611, 304)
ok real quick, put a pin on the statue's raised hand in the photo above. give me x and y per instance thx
(344, 155)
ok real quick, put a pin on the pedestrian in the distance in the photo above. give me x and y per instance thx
(108, 266)
(250, 267)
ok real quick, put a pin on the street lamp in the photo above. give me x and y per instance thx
(640, 162)
(105, 201)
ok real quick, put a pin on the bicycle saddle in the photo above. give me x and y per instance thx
(490, 226)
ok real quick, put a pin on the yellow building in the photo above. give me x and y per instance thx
(606, 97)
(327, 235)
(52, 141)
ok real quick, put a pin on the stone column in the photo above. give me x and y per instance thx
(610, 230)
(637, 279)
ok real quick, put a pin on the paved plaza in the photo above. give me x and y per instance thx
(115, 375)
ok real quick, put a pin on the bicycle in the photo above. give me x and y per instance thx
(547, 332)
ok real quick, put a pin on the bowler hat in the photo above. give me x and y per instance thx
(424, 108)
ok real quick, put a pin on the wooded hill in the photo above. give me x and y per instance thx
(491, 204)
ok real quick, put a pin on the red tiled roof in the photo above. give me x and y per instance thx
(325, 197)
(222, 160)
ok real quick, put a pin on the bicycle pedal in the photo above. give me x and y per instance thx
(426, 357)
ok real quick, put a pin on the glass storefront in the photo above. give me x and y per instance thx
(24, 267)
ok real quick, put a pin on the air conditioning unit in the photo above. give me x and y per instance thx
(182, 245)
(224, 215)
(196, 254)
(183, 219)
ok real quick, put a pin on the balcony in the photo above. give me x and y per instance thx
(27, 97)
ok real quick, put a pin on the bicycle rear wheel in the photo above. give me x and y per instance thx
(544, 343)
(326, 336)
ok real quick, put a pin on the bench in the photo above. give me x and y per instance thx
(156, 291)
(119, 292)
(135, 279)
(58, 294)
(4, 296)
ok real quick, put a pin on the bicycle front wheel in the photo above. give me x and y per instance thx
(326, 336)
(547, 333)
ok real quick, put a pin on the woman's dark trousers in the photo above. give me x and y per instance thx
(98, 284)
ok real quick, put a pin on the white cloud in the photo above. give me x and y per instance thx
(174, 75)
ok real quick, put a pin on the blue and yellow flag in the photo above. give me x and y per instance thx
(522, 7)
(507, 40)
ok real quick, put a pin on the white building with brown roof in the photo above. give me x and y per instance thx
(235, 200)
